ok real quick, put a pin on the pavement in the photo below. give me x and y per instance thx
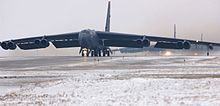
(117, 80)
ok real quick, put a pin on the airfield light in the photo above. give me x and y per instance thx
(168, 53)
(85, 52)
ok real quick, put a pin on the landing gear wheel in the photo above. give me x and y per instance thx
(82, 54)
(92, 53)
(100, 53)
(104, 54)
(87, 54)
(108, 53)
(95, 53)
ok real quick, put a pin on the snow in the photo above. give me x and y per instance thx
(118, 81)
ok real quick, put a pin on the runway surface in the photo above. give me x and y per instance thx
(147, 80)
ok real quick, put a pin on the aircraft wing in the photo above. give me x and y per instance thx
(133, 40)
(59, 41)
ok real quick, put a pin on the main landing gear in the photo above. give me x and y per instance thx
(85, 52)
(99, 53)
(95, 53)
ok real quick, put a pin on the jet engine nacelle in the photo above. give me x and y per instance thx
(4, 45)
(8, 45)
(211, 47)
(12, 45)
(183, 45)
(42, 43)
(45, 43)
(139, 42)
(37, 41)
(186, 45)
(174, 45)
(144, 42)
(179, 44)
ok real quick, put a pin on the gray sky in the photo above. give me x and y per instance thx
(28, 18)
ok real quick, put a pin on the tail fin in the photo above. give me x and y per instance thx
(107, 25)
(201, 36)
(174, 31)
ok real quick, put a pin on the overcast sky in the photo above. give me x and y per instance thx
(28, 18)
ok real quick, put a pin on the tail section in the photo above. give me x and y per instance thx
(174, 31)
(107, 25)
(201, 36)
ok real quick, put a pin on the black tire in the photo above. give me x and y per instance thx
(95, 53)
(82, 54)
(207, 53)
(100, 53)
(92, 53)
(108, 53)
(87, 54)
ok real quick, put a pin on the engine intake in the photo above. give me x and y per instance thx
(4, 45)
(45, 43)
(186, 45)
(144, 42)
(173, 45)
(42, 43)
(180, 44)
(12, 45)
(211, 47)
(8, 45)
(37, 41)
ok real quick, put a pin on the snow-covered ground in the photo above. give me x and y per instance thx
(178, 80)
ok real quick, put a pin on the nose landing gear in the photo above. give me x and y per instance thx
(85, 52)
(106, 52)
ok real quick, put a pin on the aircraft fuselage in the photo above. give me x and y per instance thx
(89, 41)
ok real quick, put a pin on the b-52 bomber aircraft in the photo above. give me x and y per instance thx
(98, 43)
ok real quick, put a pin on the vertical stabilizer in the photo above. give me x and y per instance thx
(107, 25)
(174, 31)
(201, 36)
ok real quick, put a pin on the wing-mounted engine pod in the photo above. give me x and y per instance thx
(8, 45)
(210, 46)
(12, 45)
(139, 42)
(179, 44)
(4, 45)
(42, 43)
(143, 42)
(37, 41)
(186, 45)
(45, 43)
(146, 43)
